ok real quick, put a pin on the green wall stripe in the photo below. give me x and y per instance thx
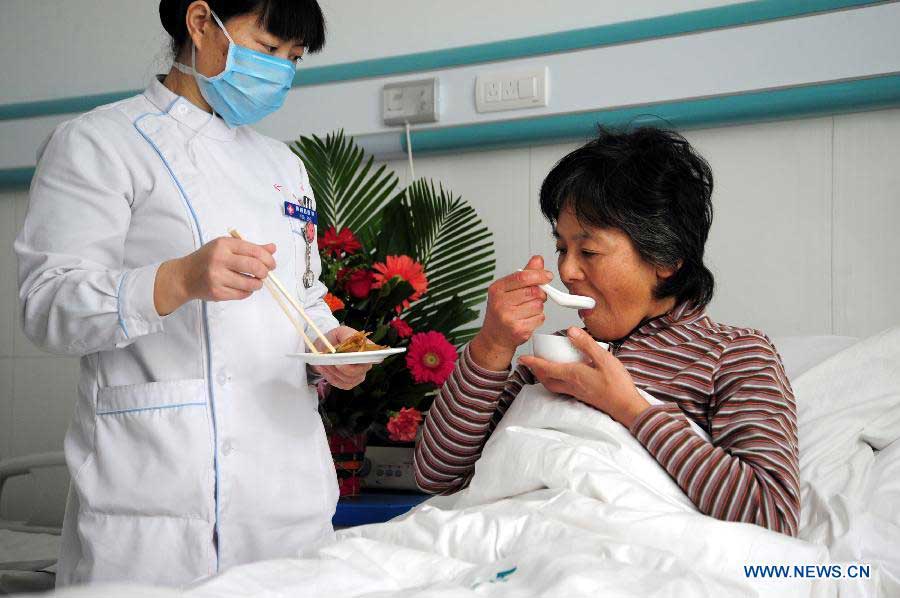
(718, 17)
(778, 104)
(758, 106)
(12, 178)
(62, 106)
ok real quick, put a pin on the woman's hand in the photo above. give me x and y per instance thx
(344, 377)
(604, 383)
(224, 269)
(515, 309)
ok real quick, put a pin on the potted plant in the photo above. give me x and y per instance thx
(409, 265)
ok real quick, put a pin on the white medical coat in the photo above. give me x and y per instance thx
(196, 443)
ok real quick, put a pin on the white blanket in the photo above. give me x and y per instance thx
(565, 502)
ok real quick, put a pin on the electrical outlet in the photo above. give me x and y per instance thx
(411, 102)
(492, 91)
(511, 91)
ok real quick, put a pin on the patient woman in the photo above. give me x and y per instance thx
(631, 212)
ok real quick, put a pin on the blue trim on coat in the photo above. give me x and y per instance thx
(209, 379)
(138, 409)
(119, 304)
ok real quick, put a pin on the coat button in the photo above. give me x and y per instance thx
(222, 377)
(216, 311)
(227, 447)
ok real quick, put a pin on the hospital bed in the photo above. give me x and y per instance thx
(28, 548)
(848, 396)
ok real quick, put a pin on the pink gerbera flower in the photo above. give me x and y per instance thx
(430, 357)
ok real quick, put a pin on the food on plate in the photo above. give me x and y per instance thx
(357, 343)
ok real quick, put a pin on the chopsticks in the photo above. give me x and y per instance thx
(287, 311)
(275, 287)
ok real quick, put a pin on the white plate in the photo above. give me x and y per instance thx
(347, 358)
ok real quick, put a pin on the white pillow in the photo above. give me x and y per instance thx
(848, 412)
(800, 353)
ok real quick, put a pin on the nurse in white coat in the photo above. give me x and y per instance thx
(196, 443)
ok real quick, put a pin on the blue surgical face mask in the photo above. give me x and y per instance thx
(252, 86)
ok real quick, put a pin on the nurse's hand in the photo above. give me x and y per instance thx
(344, 377)
(515, 309)
(224, 269)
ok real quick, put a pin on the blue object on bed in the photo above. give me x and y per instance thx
(374, 507)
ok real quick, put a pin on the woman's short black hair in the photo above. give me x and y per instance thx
(299, 20)
(653, 186)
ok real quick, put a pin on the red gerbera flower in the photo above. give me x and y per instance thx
(403, 425)
(334, 242)
(334, 303)
(430, 357)
(403, 329)
(407, 269)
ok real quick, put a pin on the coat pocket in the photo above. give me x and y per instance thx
(154, 451)
(115, 400)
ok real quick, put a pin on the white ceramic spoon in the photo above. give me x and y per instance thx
(564, 299)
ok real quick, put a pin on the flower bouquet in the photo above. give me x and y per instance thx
(407, 265)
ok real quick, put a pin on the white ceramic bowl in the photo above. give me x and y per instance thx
(557, 348)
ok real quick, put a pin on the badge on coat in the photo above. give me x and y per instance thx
(293, 210)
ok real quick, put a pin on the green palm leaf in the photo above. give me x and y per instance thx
(448, 238)
(440, 231)
(350, 192)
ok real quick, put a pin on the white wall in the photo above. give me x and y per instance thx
(816, 48)
(55, 49)
(804, 239)
(37, 390)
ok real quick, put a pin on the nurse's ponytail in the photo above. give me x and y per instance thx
(172, 16)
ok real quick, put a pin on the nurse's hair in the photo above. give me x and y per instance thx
(653, 186)
(299, 20)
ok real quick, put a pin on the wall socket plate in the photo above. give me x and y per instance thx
(411, 102)
(512, 90)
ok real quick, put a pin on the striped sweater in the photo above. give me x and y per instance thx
(728, 380)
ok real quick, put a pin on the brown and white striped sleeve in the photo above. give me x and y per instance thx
(749, 471)
(462, 417)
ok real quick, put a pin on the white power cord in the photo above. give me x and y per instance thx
(409, 154)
